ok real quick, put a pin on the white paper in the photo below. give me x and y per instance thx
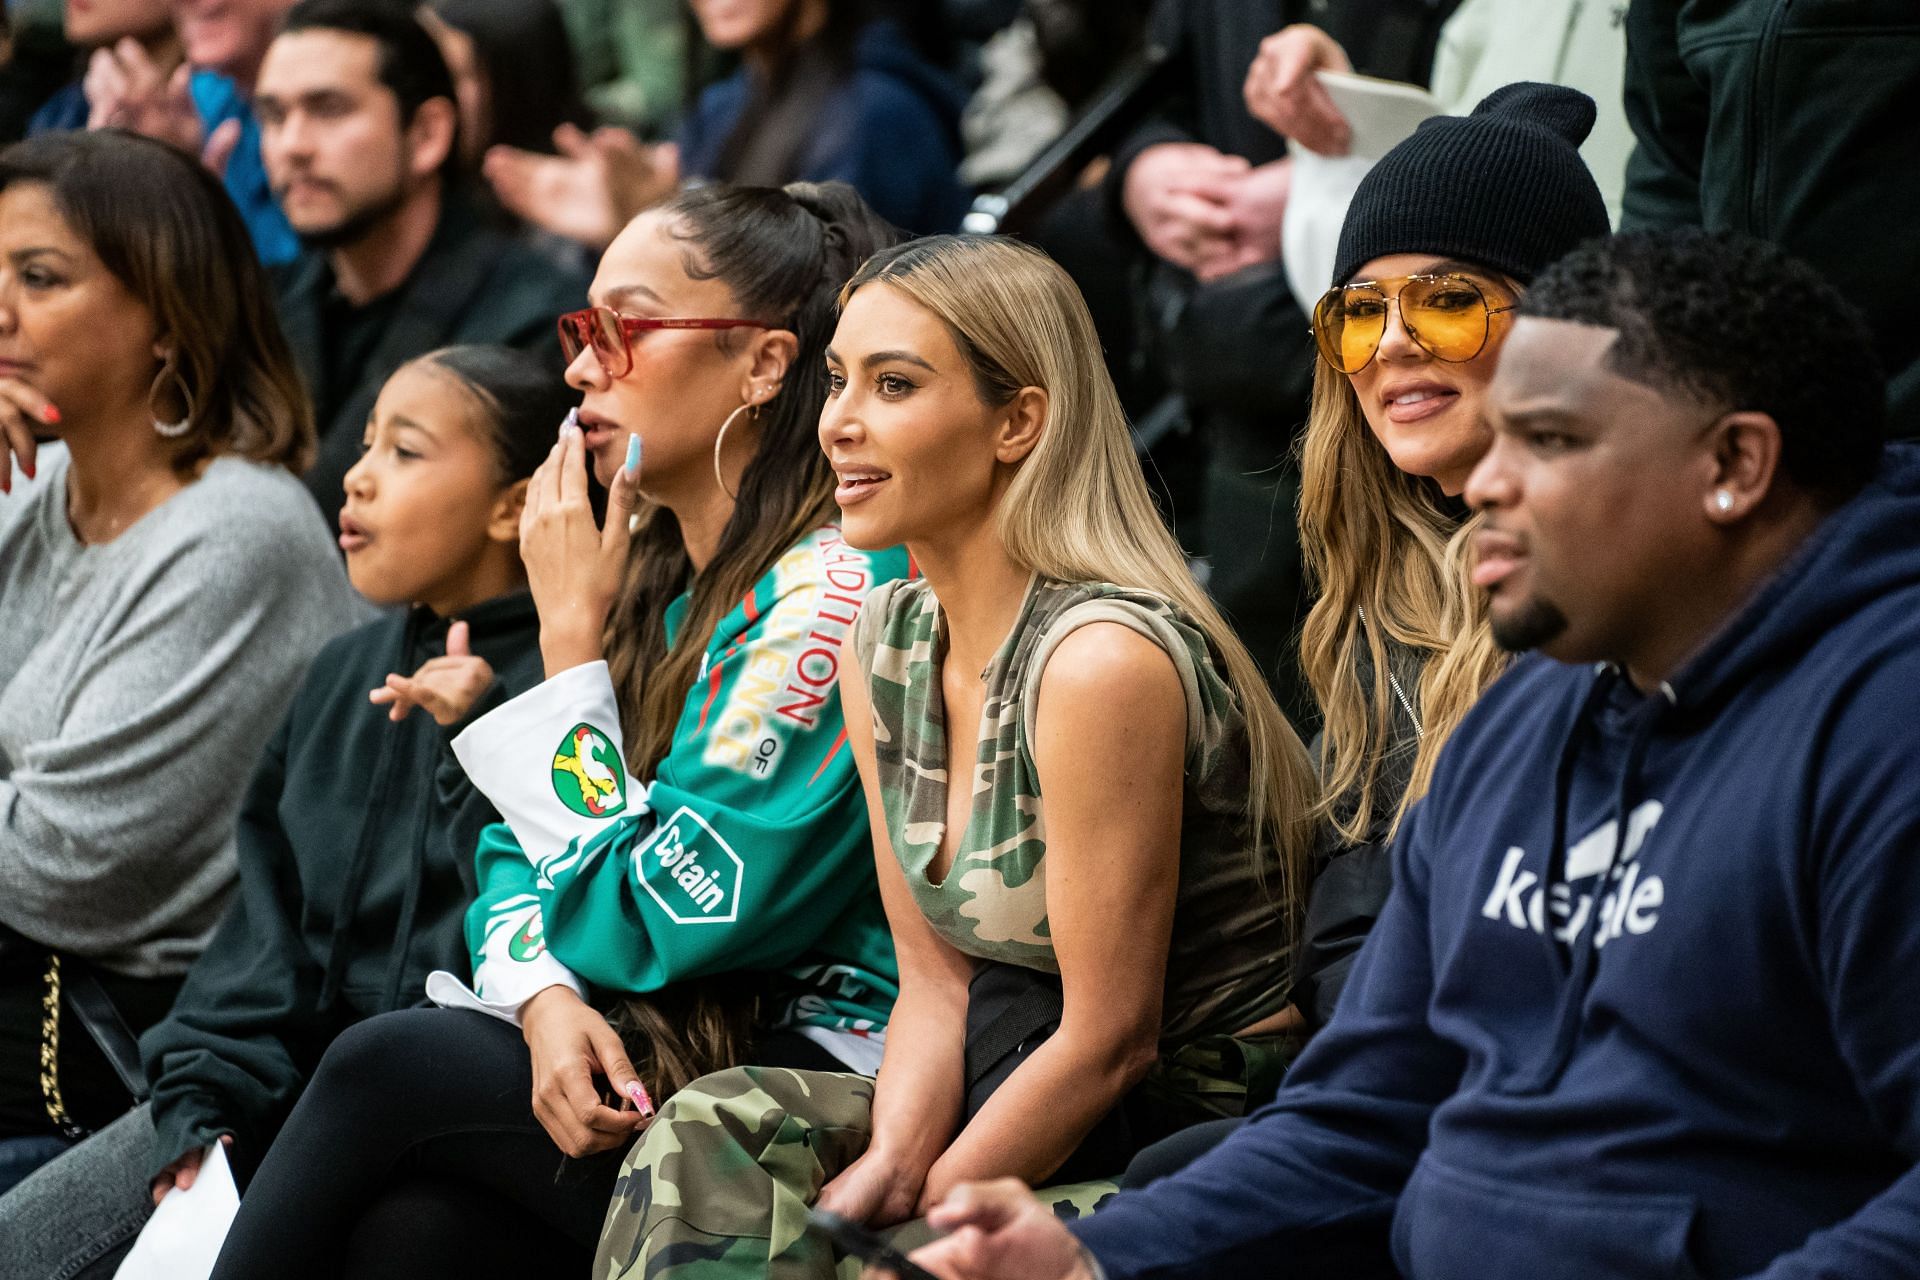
(182, 1239)
(1381, 114)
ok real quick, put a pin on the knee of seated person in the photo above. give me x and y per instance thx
(759, 1097)
(706, 1097)
(364, 1056)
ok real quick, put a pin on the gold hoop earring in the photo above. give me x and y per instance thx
(719, 441)
(170, 430)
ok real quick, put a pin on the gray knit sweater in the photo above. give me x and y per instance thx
(138, 680)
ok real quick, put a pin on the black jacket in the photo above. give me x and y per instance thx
(475, 283)
(1351, 880)
(1797, 121)
(356, 846)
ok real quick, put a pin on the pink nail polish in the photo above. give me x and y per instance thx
(641, 1102)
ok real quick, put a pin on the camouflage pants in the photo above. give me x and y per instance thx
(718, 1188)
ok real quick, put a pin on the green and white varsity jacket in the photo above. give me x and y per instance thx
(749, 849)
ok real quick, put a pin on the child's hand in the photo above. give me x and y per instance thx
(183, 1171)
(445, 688)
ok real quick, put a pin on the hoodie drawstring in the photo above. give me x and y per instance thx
(347, 910)
(416, 880)
(1585, 945)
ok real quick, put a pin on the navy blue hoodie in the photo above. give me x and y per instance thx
(1713, 1072)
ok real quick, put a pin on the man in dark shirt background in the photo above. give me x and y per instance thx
(358, 129)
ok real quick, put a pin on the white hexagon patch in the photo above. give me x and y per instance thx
(690, 871)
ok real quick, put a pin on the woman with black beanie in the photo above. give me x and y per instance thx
(1441, 239)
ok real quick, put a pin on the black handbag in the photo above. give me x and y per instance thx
(72, 986)
(1011, 1011)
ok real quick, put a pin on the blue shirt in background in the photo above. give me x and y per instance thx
(216, 99)
(219, 100)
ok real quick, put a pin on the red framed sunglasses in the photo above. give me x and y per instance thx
(610, 334)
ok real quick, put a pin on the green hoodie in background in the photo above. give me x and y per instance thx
(1796, 121)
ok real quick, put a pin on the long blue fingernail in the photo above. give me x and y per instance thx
(633, 453)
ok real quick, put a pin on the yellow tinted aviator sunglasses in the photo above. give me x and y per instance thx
(1449, 316)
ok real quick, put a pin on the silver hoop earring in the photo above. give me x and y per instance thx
(720, 441)
(170, 430)
(1723, 501)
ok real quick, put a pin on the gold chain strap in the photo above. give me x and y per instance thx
(50, 1054)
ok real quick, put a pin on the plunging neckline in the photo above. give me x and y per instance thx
(937, 714)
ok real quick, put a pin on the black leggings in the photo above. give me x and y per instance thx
(415, 1153)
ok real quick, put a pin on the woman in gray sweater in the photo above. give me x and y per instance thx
(164, 579)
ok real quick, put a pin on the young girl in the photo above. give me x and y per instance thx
(687, 856)
(356, 867)
(1078, 783)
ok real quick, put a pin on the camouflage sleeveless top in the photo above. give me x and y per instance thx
(1229, 963)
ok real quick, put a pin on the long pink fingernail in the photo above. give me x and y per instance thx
(641, 1102)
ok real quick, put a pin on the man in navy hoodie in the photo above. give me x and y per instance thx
(1645, 1001)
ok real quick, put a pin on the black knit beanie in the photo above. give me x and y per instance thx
(1504, 187)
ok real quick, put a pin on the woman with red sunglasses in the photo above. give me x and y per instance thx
(684, 878)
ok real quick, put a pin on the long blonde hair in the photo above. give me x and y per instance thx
(1078, 509)
(1379, 541)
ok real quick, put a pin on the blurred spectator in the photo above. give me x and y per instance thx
(202, 106)
(1484, 45)
(823, 93)
(360, 134)
(164, 583)
(101, 26)
(513, 72)
(1203, 185)
(1796, 127)
(633, 61)
(1014, 114)
(35, 61)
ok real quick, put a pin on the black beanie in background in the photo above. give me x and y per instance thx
(1504, 187)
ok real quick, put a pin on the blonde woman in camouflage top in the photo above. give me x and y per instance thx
(1130, 818)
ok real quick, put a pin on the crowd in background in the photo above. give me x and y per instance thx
(510, 511)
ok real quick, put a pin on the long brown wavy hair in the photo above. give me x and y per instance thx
(1379, 541)
(784, 253)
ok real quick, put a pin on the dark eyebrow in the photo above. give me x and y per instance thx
(897, 357)
(627, 292)
(40, 250)
(1530, 413)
